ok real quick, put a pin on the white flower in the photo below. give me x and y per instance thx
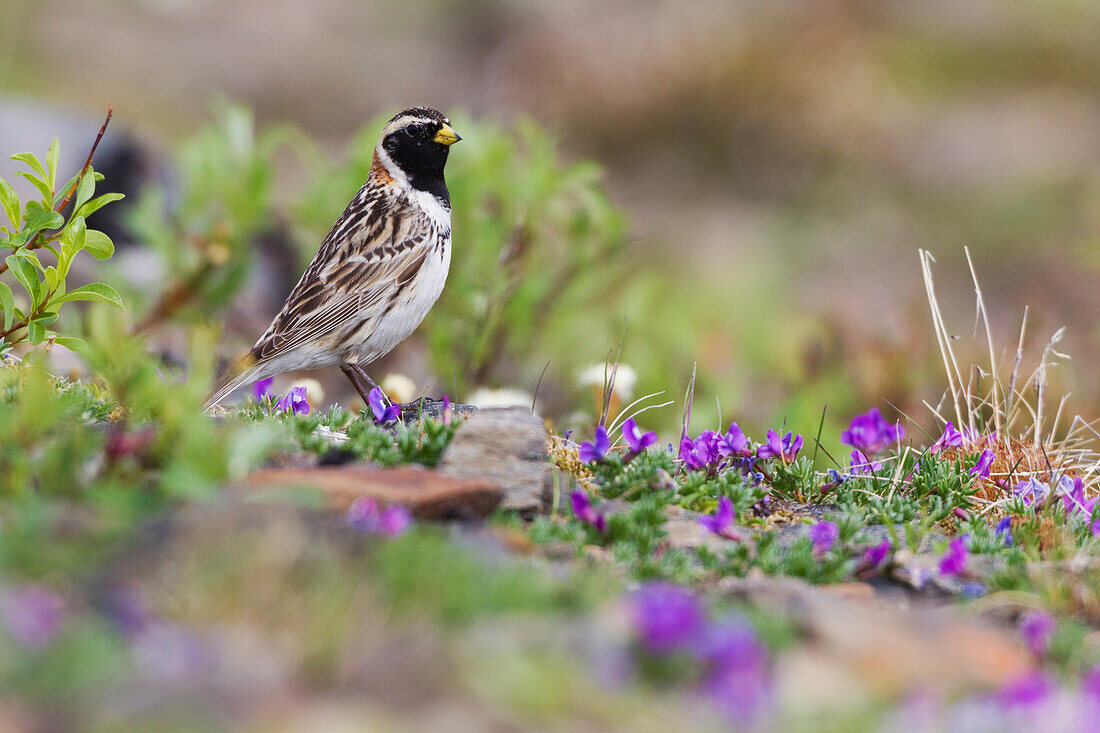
(484, 397)
(399, 388)
(315, 393)
(597, 374)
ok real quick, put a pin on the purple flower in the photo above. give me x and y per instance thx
(701, 452)
(776, 447)
(666, 617)
(365, 516)
(728, 643)
(445, 413)
(294, 402)
(1037, 628)
(129, 609)
(1090, 685)
(32, 614)
(1004, 530)
(1073, 497)
(597, 450)
(875, 554)
(952, 438)
(1032, 491)
(736, 678)
(720, 521)
(584, 511)
(824, 535)
(871, 433)
(862, 465)
(734, 442)
(262, 388)
(1029, 689)
(985, 460)
(955, 559)
(383, 413)
(171, 652)
(635, 439)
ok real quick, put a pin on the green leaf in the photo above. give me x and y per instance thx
(31, 160)
(73, 240)
(10, 201)
(98, 244)
(7, 302)
(52, 156)
(69, 184)
(30, 256)
(72, 343)
(39, 219)
(84, 189)
(46, 318)
(97, 292)
(35, 333)
(25, 273)
(98, 203)
(42, 186)
(51, 278)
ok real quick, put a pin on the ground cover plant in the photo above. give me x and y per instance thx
(132, 556)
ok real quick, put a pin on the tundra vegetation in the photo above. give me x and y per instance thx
(132, 555)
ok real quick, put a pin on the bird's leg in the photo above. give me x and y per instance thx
(363, 375)
(355, 375)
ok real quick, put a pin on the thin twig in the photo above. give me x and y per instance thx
(87, 162)
(37, 241)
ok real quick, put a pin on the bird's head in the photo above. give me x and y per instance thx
(414, 146)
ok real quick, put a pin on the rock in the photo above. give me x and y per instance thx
(892, 651)
(598, 555)
(686, 533)
(921, 572)
(427, 407)
(507, 447)
(426, 493)
(852, 591)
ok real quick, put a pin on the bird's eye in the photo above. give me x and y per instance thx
(415, 130)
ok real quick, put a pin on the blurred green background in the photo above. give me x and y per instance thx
(764, 174)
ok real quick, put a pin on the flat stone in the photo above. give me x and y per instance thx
(506, 447)
(892, 651)
(921, 572)
(428, 494)
(428, 407)
(685, 532)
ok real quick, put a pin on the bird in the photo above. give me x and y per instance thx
(377, 273)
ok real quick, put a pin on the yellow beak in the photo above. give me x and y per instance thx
(446, 136)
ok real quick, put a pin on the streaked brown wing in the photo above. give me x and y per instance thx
(366, 256)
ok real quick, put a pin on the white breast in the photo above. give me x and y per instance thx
(414, 304)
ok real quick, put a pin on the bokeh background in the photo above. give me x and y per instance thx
(771, 168)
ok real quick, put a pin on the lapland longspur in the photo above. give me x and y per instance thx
(377, 273)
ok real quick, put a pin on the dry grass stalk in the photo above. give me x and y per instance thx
(1005, 418)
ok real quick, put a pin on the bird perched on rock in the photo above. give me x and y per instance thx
(377, 273)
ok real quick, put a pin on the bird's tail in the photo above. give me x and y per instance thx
(240, 373)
